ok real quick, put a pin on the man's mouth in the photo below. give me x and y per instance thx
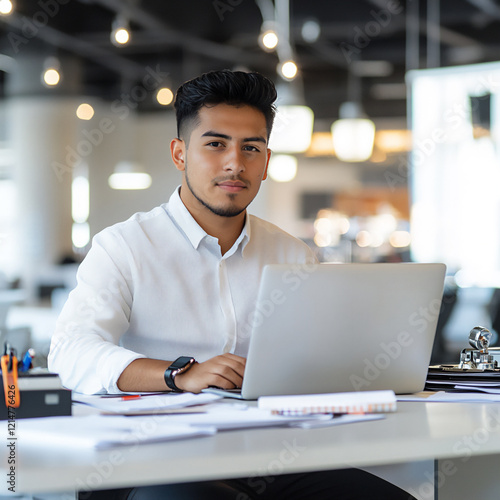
(232, 186)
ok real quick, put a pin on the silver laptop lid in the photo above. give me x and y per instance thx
(343, 327)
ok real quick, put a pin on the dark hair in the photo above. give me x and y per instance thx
(235, 88)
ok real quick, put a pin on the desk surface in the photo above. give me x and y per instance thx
(417, 431)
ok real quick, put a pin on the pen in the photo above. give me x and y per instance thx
(27, 359)
(8, 363)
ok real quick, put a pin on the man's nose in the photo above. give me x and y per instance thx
(234, 160)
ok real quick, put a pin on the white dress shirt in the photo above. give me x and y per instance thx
(157, 286)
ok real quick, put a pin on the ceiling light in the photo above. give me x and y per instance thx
(310, 31)
(294, 122)
(268, 37)
(128, 175)
(120, 32)
(80, 234)
(400, 239)
(85, 111)
(269, 40)
(288, 70)
(164, 96)
(393, 141)
(352, 134)
(51, 75)
(283, 168)
(321, 144)
(292, 130)
(6, 7)
(80, 199)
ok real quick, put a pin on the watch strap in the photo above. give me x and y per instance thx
(180, 365)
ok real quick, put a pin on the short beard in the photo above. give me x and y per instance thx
(222, 212)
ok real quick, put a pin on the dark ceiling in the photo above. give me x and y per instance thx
(186, 37)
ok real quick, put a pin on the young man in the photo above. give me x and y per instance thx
(179, 284)
(182, 279)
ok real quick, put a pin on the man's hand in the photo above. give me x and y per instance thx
(225, 371)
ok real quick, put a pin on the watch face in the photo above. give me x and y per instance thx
(182, 362)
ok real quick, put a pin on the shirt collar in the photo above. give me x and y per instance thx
(193, 230)
(184, 219)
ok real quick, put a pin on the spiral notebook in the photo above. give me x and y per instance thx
(344, 402)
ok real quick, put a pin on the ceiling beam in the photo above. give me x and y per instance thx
(201, 46)
(82, 48)
(487, 7)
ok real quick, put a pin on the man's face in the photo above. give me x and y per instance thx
(225, 160)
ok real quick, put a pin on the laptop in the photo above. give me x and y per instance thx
(342, 327)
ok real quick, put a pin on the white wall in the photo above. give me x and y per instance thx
(145, 138)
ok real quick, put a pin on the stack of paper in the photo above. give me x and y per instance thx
(451, 397)
(98, 432)
(116, 429)
(145, 403)
(439, 379)
(240, 416)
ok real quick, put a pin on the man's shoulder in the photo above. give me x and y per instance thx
(266, 227)
(138, 221)
(264, 231)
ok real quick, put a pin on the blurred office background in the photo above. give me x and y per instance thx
(385, 144)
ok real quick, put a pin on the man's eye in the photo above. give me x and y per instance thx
(215, 144)
(251, 148)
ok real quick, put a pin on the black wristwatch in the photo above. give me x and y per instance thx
(180, 365)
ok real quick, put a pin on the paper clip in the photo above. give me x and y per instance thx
(8, 362)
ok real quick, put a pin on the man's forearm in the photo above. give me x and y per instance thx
(148, 375)
(144, 375)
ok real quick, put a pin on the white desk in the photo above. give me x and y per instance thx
(418, 431)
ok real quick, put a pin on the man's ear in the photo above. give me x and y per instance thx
(264, 177)
(178, 152)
